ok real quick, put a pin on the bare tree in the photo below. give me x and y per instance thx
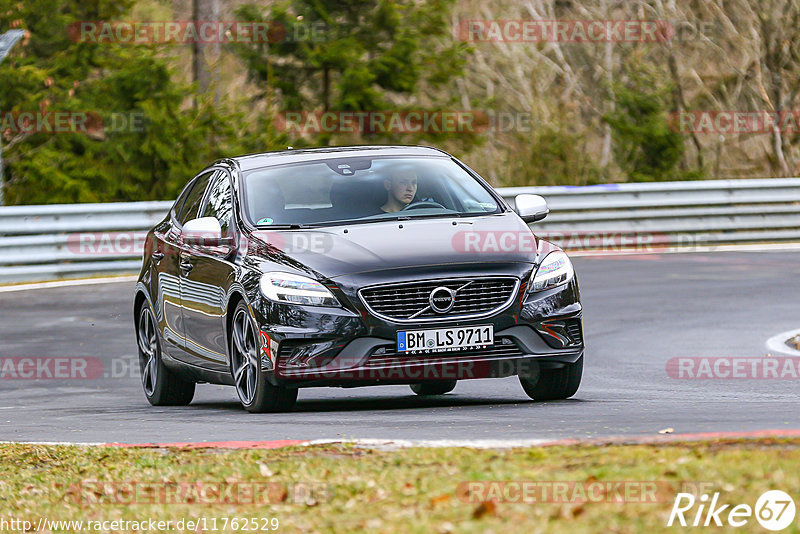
(777, 67)
(204, 54)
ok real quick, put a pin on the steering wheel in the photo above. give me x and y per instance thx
(423, 204)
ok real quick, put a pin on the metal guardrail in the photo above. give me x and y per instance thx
(69, 240)
(56, 241)
(695, 213)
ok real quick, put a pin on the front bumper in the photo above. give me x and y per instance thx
(306, 346)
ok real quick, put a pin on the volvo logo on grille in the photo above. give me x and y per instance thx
(442, 299)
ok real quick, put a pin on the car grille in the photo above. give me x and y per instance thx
(388, 355)
(399, 302)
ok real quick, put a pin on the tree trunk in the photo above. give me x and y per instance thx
(777, 135)
(679, 103)
(608, 65)
(326, 88)
(204, 53)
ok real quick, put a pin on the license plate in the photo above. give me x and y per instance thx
(445, 339)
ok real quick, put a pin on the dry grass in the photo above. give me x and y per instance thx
(344, 489)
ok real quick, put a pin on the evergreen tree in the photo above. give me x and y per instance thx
(143, 140)
(356, 55)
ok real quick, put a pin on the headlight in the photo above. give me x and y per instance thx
(296, 289)
(555, 270)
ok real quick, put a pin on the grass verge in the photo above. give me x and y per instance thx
(340, 488)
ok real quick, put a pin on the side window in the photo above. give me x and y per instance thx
(176, 208)
(219, 202)
(194, 199)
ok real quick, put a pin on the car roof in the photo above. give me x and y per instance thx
(255, 161)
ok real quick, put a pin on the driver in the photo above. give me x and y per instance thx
(401, 188)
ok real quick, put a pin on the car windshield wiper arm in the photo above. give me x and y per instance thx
(412, 216)
(294, 226)
(404, 217)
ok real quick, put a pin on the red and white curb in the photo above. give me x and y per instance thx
(394, 444)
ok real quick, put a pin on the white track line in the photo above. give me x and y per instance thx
(778, 343)
(68, 283)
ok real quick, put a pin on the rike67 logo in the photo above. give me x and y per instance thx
(774, 510)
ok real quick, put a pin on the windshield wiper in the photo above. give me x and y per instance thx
(368, 220)
(404, 217)
(430, 215)
(284, 226)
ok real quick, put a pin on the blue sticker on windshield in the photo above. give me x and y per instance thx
(265, 221)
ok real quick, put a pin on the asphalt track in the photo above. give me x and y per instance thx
(640, 311)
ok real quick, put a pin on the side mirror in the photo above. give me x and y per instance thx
(205, 232)
(531, 208)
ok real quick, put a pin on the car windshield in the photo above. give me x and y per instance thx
(335, 191)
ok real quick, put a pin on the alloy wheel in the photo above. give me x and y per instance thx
(245, 357)
(148, 351)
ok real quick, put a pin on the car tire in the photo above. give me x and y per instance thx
(554, 384)
(255, 393)
(439, 387)
(162, 387)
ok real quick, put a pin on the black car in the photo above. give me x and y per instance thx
(351, 267)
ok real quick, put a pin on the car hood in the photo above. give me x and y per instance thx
(360, 248)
